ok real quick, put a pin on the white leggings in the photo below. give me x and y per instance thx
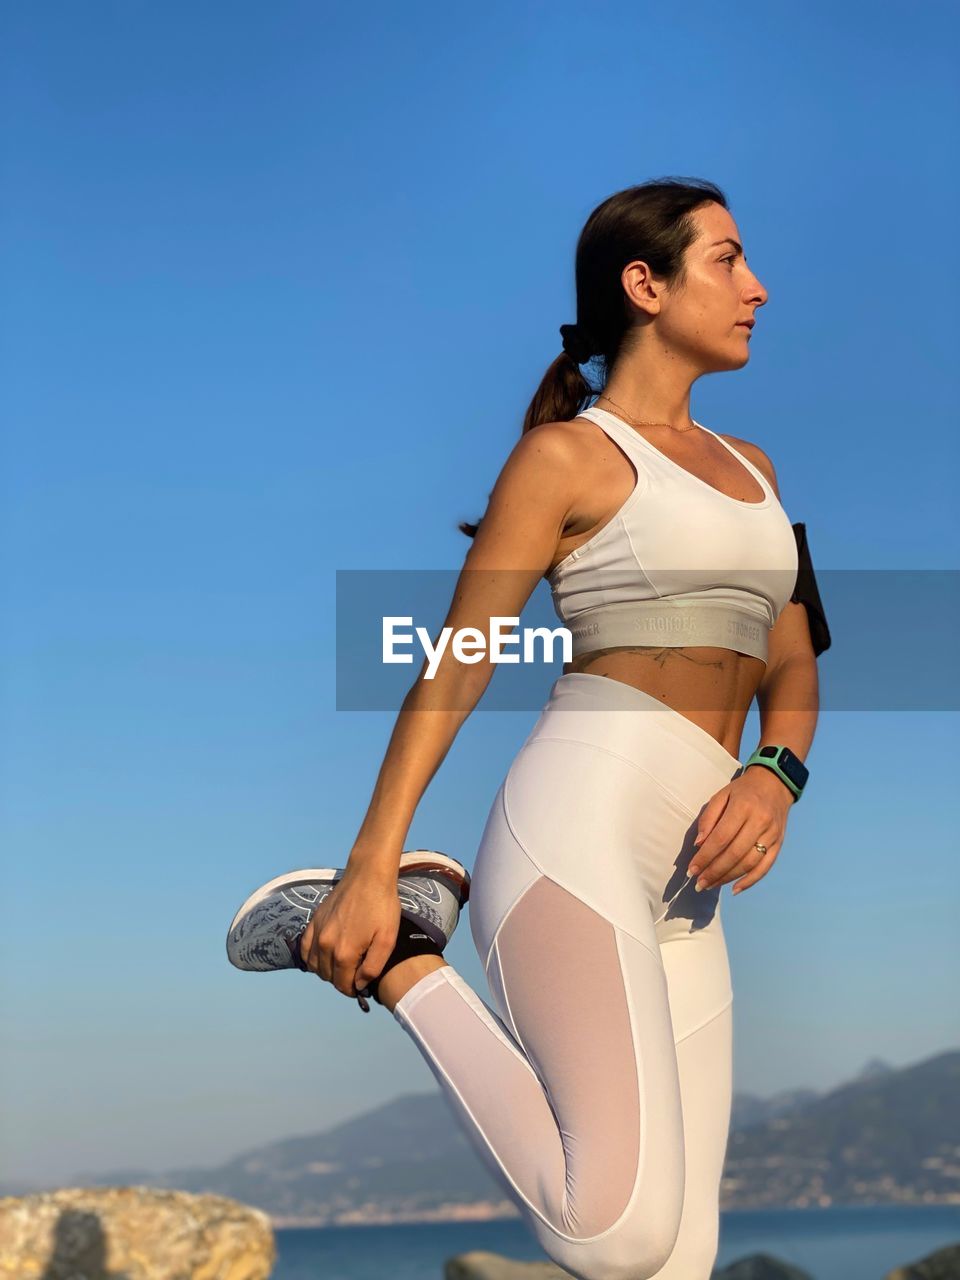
(598, 1093)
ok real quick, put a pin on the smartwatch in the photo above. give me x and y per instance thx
(789, 769)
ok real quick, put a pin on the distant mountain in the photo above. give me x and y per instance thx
(887, 1136)
(402, 1161)
(875, 1067)
(748, 1109)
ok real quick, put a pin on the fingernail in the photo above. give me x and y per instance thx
(701, 884)
(693, 871)
(698, 838)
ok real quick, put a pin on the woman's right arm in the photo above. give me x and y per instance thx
(512, 550)
(514, 546)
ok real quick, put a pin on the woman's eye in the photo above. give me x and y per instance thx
(732, 258)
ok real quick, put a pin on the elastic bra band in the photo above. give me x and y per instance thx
(680, 622)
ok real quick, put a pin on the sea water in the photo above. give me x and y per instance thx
(829, 1244)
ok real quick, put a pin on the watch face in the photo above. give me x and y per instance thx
(795, 769)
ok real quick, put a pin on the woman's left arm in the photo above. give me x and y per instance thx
(753, 807)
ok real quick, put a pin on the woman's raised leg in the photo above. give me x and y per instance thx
(570, 1091)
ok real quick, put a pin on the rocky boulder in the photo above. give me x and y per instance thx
(478, 1264)
(761, 1266)
(944, 1264)
(133, 1233)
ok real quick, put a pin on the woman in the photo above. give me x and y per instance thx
(599, 1091)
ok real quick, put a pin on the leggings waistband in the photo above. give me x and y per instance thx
(579, 692)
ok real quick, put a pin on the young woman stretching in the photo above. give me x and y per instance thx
(598, 1088)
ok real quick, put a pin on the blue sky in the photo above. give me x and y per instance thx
(279, 284)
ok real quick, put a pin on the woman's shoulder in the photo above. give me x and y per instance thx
(561, 456)
(570, 441)
(756, 455)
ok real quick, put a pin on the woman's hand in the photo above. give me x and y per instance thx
(751, 808)
(353, 931)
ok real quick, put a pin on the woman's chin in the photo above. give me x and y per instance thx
(742, 358)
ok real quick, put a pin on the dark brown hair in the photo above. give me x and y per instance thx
(650, 222)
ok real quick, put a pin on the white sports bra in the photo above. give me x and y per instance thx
(680, 563)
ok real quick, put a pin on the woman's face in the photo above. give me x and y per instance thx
(702, 321)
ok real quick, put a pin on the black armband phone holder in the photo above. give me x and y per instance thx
(805, 592)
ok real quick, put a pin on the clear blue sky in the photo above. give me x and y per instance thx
(279, 281)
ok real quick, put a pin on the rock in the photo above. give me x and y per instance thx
(133, 1233)
(944, 1264)
(760, 1266)
(478, 1264)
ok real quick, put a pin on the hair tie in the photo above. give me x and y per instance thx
(575, 343)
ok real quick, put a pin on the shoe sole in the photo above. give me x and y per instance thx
(413, 860)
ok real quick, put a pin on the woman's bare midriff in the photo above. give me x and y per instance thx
(711, 686)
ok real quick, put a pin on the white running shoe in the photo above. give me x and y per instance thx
(266, 931)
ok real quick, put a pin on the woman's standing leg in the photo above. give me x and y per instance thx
(701, 1002)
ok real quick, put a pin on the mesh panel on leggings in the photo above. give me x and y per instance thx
(576, 1033)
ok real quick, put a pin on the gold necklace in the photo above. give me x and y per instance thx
(634, 422)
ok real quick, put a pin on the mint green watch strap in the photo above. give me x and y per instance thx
(770, 762)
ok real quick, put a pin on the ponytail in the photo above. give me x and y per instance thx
(651, 223)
